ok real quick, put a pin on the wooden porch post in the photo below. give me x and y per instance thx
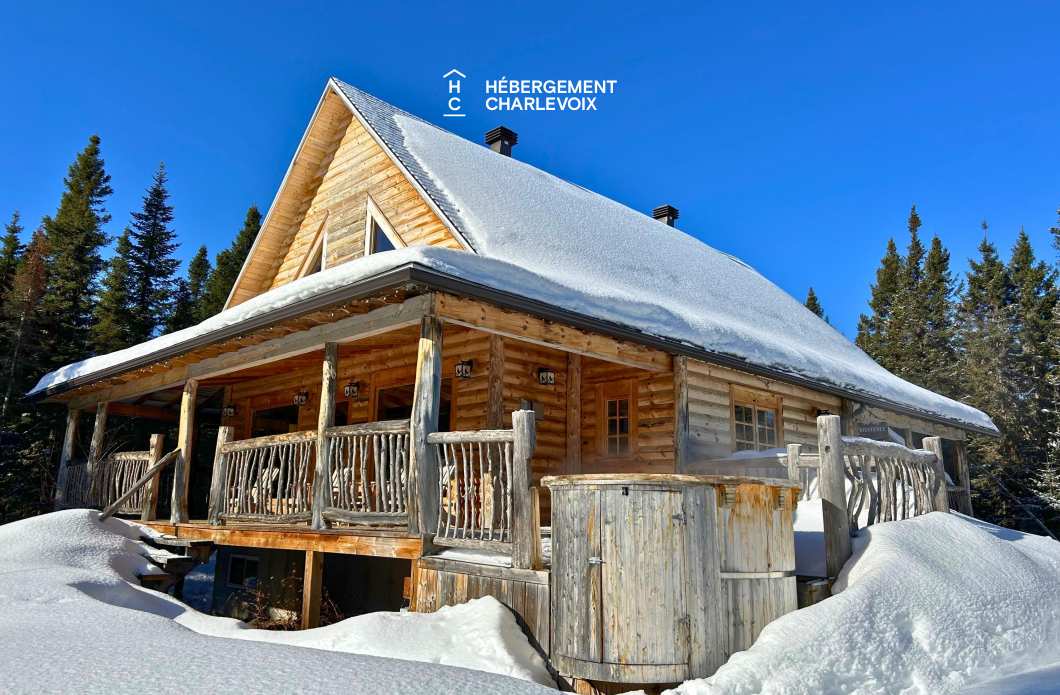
(312, 586)
(941, 501)
(95, 450)
(73, 420)
(326, 419)
(526, 535)
(681, 414)
(794, 454)
(219, 477)
(150, 509)
(426, 402)
(831, 481)
(574, 413)
(185, 439)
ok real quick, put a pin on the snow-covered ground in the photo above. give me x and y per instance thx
(74, 619)
(932, 605)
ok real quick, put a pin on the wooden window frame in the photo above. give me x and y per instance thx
(754, 399)
(244, 558)
(374, 216)
(318, 251)
(612, 390)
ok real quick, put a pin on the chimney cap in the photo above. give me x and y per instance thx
(502, 134)
(666, 213)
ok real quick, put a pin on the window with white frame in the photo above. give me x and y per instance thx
(755, 420)
(379, 234)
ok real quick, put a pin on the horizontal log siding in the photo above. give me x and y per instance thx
(357, 167)
(521, 362)
(653, 393)
(710, 409)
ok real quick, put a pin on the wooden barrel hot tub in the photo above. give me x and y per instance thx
(659, 578)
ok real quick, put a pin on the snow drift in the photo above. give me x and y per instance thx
(72, 619)
(927, 605)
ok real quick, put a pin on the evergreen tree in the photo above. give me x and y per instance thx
(904, 333)
(814, 305)
(112, 329)
(188, 297)
(22, 321)
(74, 238)
(10, 251)
(151, 261)
(872, 327)
(937, 307)
(228, 264)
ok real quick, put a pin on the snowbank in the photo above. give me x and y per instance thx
(928, 605)
(72, 619)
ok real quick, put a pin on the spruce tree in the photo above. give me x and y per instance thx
(904, 333)
(814, 305)
(113, 329)
(25, 351)
(937, 308)
(188, 297)
(151, 261)
(74, 238)
(872, 327)
(228, 264)
(10, 251)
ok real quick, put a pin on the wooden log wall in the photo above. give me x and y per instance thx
(710, 409)
(438, 582)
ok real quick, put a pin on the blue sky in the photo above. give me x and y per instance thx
(794, 137)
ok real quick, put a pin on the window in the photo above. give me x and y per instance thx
(615, 419)
(242, 572)
(316, 259)
(755, 420)
(379, 235)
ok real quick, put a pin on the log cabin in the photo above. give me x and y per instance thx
(424, 329)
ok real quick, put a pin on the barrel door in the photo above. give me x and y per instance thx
(576, 530)
(643, 615)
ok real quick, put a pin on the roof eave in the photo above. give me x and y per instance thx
(415, 274)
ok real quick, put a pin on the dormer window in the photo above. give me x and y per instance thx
(379, 234)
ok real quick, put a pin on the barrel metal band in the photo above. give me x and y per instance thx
(758, 575)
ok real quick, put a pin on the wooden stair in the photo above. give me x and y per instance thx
(174, 558)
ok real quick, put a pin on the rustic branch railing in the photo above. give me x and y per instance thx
(141, 489)
(888, 481)
(265, 479)
(484, 493)
(115, 475)
(368, 469)
(77, 486)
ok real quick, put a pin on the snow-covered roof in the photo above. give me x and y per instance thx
(540, 237)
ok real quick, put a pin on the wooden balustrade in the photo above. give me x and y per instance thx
(485, 499)
(367, 466)
(115, 475)
(77, 485)
(265, 479)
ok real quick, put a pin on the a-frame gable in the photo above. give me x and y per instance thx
(323, 202)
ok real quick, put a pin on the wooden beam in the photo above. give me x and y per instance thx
(312, 586)
(185, 441)
(941, 501)
(73, 421)
(426, 403)
(681, 443)
(346, 541)
(95, 447)
(350, 329)
(963, 477)
(325, 419)
(150, 509)
(148, 412)
(573, 454)
(495, 387)
(832, 483)
(526, 539)
(491, 319)
(219, 477)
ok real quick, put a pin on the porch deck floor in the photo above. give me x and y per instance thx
(377, 542)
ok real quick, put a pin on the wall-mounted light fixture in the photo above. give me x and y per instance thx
(352, 390)
(464, 369)
(228, 411)
(301, 398)
(546, 376)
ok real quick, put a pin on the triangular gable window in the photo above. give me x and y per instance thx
(379, 235)
(315, 260)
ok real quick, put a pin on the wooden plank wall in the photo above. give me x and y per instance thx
(710, 409)
(653, 393)
(521, 362)
(356, 168)
(438, 583)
